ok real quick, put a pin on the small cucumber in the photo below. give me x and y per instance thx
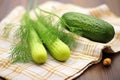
(88, 26)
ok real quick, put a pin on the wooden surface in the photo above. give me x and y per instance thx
(95, 72)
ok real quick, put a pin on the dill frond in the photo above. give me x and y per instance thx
(21, 51)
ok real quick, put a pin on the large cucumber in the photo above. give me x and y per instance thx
(88, 26)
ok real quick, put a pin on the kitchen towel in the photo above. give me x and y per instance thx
(83, 55)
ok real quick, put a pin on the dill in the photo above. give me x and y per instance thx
(20, 51)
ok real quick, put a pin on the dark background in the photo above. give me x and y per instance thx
(7, 5)
(97, 71)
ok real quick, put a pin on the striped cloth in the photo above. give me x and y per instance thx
(82, 56)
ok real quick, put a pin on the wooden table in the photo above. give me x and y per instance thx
(95, 72)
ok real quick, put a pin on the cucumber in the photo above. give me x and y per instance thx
(87, 26)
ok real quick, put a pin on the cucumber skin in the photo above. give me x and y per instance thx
(88, 26)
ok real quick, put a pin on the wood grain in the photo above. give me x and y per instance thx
(95, 72)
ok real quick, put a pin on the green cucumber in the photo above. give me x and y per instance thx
(88, 26)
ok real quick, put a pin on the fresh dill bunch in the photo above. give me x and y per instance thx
(20, 51)
(48, 33)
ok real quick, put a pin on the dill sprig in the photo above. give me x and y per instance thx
(21, 50)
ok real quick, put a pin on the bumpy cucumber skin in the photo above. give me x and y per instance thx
(88, 26)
